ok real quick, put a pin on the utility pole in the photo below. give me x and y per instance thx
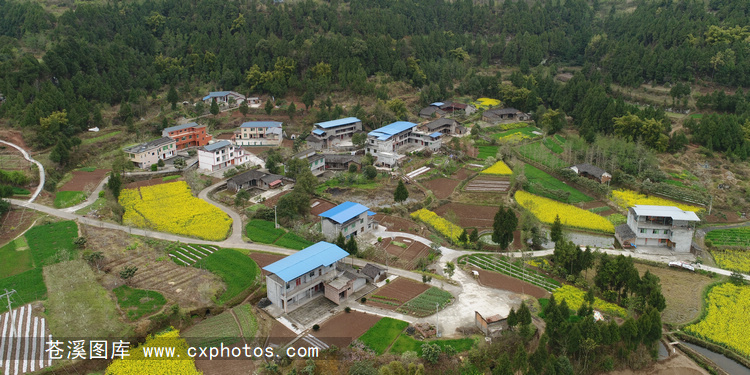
(7, 295)
(275, 221)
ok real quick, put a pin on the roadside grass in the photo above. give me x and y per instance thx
(552, 145)
(263, 231)
(98, 203)
(486, 151)
(293, 241)
(238, 271)
(20, 191)
(138, 302)
(213, 331)
(15, 261)
(53, 242)
(597, 210)
(65, 199)
(29, 286)
(405, 343)
(380, 336)
(169, 178)
(86, 169)
(560, 139)
(540, 177)
(78, 306)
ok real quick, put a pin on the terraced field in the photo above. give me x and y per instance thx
(493, 263)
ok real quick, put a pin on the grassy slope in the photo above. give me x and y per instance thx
(534, 174)
(238, 271)
(382, 334)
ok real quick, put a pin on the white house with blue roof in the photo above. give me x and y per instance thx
(389, 143)
(223, 97)
(259, 133)
(220, 155)
(332, 133)
(309, 273)
(348, 218)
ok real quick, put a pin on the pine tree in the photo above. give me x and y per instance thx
(172, 97)
(462, 238)
(351, 246)
(474, 236)
(244, 108)
(340, 241)
(512, 319)
(555, 231)
(269, 107)
(401, 194)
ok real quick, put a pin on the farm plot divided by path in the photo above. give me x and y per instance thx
(187, 255)
(406, 250)
(396, 293)
(22, 346)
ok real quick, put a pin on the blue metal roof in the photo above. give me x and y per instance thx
(344, 212)
(306, 260)
(217, 145)
(436, 134)
(437, 104)
(339, 122)
(216, 94)
(318, 132)
(180, 127)
(391, 129)
(261, 124)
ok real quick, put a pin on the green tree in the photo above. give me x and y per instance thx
(553, 120)
(398, 107)
(180, 163)
(401, 194)
(555, 231)
(172, 97)
(291, 110)
(273, 161)
(512, 319)
(463, 237)
(450, 268)
(352, 168)
(295, 166)
(241, 198)
(308, 99)
(370, 173)
(351, 246)
(244, 108)
(269, 107)
(359, 139)
(504, 224)
(114, 184)
(474, 236)
(431, 353)
(340, 241)
(214, 107)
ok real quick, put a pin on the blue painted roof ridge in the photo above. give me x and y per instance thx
(339, 122)
(344, 212)
(295, 265)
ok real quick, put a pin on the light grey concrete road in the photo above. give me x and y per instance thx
(91, 199)
(236, 236)
(38, 165)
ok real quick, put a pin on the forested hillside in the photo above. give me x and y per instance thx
(122, 52)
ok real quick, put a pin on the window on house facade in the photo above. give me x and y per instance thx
(655, 231)
(666, 231)
(643, 231)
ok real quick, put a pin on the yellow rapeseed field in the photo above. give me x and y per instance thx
(574, 298)
(726, 320)
(137, 364)
(735, 260)
(172, 208)
(545, 210)
(448, 229)
(628, 198)
(498, 168)
(484, 103)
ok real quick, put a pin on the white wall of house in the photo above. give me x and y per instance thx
(290, 294)
(359, 225)
(679, 232)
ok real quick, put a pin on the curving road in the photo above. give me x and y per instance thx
(236, 237)
(91, 198)
(38, 164)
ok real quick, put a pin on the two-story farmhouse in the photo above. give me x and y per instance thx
(224, 97)
(309, 273)
(348, 218)
(220, 155)
(335, 132)
(259, 133)
(664, 226)
(146, 154)
(387, 144)
(187, 135)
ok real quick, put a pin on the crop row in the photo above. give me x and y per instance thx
(498, 265)
(730, 237)
(428, 302)
(448, 229)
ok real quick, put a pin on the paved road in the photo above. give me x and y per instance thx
(91, 199)
(236, 237)
(38, 164)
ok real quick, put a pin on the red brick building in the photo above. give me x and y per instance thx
(188, 135)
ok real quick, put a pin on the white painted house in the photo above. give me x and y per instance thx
(387, 144)
(335, 132)
(658, 226)
(259, 133)
(348, 218)
(220, 155)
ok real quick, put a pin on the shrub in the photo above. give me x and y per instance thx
(348, 309)
(363, 299)
(316, 327)
(154, 167)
